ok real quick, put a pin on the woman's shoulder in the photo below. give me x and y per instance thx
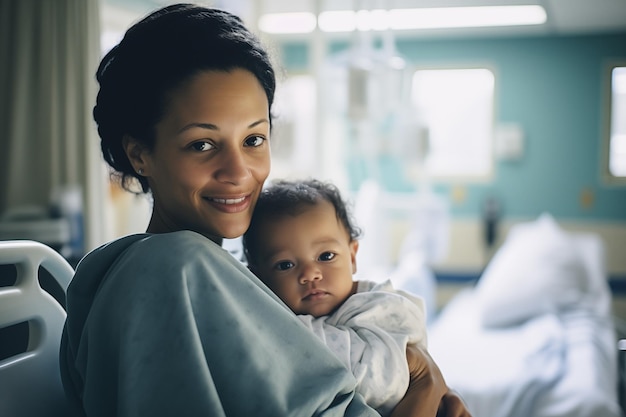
(154, 255)
(184, 245)
(147, 248)
(168, 242)
(173, 241)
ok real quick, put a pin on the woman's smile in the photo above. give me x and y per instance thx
(230, 205)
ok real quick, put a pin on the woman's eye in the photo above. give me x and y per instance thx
(327, 256)
(201, 146)
(254, 141)
(284, 265)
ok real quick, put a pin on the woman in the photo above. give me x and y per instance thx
(168, 322)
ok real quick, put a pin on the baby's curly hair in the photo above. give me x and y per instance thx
(284, 198)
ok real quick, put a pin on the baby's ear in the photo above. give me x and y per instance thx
(354, 248)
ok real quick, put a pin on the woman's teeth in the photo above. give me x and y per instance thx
(228, 200)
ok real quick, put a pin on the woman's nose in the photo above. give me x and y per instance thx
(234, 166)
(310, 273)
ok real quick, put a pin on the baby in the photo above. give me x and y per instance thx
(302, 244)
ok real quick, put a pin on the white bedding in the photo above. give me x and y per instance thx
(549, 366)
(548, 359)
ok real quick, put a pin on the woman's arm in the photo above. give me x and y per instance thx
(428, 394)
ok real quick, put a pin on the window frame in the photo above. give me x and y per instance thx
(282, 164)
(607, 92)
(490, 175)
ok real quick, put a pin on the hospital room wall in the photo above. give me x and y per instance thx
(555, 90)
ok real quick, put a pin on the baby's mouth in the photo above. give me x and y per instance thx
(315, 295)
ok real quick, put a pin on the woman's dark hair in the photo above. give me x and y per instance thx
(158, 54)
(289, 198)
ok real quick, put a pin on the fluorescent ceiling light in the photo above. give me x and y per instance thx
(287, 22)
(378, 19)
(338, 21)
(348, 20)
(458, 17)
(401, 19)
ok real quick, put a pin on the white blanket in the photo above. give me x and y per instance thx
(546, 367)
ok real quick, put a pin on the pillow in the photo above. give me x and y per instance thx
(537, 270)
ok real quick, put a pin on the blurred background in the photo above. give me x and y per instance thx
(443, 124)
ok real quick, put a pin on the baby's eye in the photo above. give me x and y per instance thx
(202, 146)
(255, 141)
(284, 265)
(327, 256)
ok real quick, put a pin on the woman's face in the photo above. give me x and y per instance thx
(211, 155)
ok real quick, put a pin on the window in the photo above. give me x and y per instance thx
(617, 126)
(294, 132)
(455, 109)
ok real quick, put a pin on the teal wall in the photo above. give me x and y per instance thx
(554, 88)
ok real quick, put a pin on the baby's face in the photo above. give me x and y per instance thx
(308, 260)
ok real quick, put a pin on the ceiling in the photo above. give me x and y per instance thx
(565, 17)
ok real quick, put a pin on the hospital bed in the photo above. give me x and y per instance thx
(33, 281)
(535, 335)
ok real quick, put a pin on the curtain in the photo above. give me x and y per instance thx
(49, 52)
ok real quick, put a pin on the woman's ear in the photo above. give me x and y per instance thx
(354, 247)
(135, 154)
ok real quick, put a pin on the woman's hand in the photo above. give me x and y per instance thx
(452, 406)
(428, 394)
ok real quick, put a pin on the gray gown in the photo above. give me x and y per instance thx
(171, 324)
